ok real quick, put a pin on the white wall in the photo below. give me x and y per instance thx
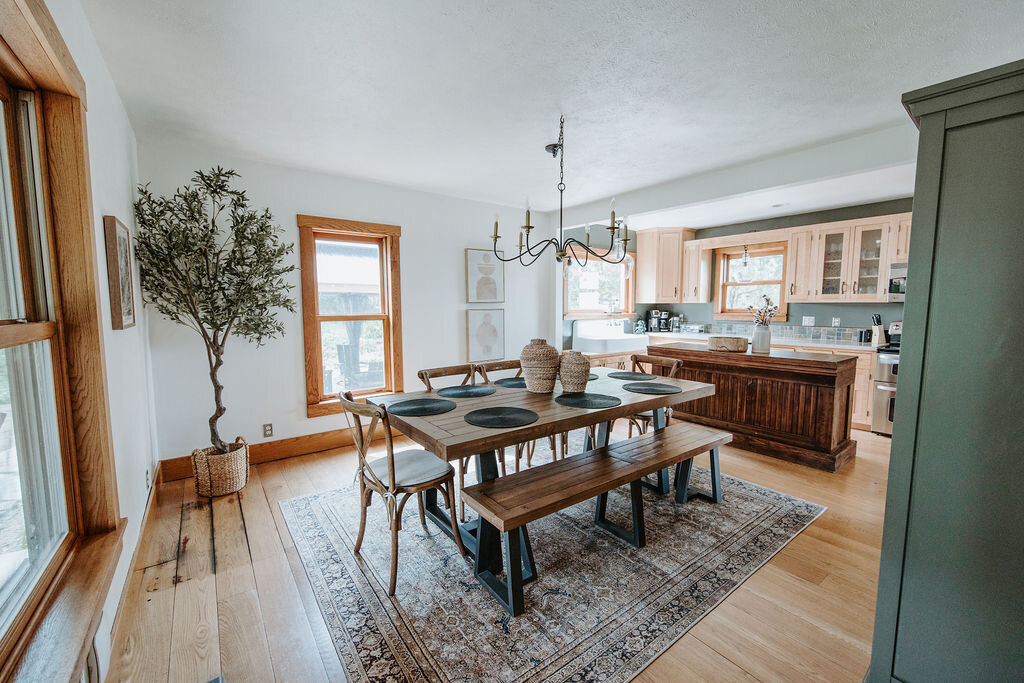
(114, 170)
(267, 384)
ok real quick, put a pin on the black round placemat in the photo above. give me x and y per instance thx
(514, 382)
(420, 407)
(501, 417)
(467, 391)
(590, 378)
(651, 388)
(585, 400)
(634, 376)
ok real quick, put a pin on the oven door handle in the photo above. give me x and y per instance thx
(885, 387)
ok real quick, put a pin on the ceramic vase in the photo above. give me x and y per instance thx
(762, 341)
(539, 361)
(573, 372)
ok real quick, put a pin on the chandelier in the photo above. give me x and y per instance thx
(568, 247)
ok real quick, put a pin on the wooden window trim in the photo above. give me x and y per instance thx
(310, 227)
(50, 636)
(722, 256)
(596, 314)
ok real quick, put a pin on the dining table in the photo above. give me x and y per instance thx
(450, 437)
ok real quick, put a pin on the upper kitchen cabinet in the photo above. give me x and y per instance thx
(799, 259)
(869, 261)
(646, 266)
(899, 238)
(831, 264)
(660, 269)
(696, 273)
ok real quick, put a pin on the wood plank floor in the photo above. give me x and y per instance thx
(220, 591)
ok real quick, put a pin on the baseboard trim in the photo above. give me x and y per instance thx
(268, 451)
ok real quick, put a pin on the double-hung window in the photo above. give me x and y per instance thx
(596, 289)
(35, 532)
(351, 310)
(745, 274)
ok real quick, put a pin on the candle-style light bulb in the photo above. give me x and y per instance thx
(611, 225)
(587, 231)
(520, 241)
(495, 235)
(527, 210)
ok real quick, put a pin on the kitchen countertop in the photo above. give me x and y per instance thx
(770, 359)
(779, 341)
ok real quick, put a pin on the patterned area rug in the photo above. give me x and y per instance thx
(600, 609)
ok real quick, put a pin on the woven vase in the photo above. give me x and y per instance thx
(218, 474)
(539, 361)
(573, 372)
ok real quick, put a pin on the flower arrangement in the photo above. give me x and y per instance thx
(765, 312)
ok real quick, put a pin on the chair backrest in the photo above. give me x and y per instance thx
(670, 366)
(378, 415)
(466, 369)
(497, 366)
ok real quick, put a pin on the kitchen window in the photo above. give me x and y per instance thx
(598, 289)
(351, 310)
(745, 274)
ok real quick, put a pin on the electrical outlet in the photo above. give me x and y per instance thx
(268, 430)
(147, 479)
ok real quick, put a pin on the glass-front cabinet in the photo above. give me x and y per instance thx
(869, 257)
(833, 248)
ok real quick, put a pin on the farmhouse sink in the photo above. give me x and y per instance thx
(609, 341)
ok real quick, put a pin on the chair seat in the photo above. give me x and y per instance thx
(646, 415)
(412, 467)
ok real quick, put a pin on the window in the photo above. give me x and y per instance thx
(597, 289)
(742, 285)
(34, 505)
(350, 308)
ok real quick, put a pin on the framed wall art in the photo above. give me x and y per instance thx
(485, 334)
(119, 273)
(485, 277)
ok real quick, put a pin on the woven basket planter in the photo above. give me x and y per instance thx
(218, 474)
(539, 361)
(574, 371)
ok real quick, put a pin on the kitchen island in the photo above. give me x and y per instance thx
(792, 405)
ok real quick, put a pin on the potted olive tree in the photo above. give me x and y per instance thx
(210, 262)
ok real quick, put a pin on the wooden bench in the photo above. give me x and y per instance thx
(507, 504)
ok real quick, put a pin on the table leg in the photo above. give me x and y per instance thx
(663, 484)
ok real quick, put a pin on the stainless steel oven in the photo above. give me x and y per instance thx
(883, 395)
(896, 291)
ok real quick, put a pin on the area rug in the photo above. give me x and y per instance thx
(599, 610)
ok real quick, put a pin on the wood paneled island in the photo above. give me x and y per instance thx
(792, 405)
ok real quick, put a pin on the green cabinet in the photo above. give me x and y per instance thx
(951, 586)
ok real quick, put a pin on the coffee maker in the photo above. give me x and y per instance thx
(653, 321)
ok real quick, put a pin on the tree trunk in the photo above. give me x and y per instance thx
(218, 389)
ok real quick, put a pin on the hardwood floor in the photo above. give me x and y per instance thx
(237, 604)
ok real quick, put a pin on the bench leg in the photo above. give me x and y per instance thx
(638, 534)
(510, 591)
(683, 489)
(663, 486)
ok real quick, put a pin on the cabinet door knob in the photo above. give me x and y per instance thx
(792, 288)
(675, 290)
(854, 286)
(695, 291)
(842, 290)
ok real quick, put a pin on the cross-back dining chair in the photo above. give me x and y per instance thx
(395, 477)
(527, 448)
(643, 363)
(468, 372)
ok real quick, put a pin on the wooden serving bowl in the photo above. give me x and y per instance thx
(733, 344)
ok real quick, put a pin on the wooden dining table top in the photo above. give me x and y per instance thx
(450, 437)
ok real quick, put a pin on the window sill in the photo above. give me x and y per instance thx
(332, 406)
(59, 635)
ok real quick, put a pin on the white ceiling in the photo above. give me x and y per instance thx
(459, 97)
(850, 190)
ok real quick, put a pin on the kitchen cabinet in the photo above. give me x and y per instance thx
(831, 258)
(696, 273)
(799, 256)
(899, 238)
(646, 266)
(661, 273)
(869, 259)
(669, 278)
